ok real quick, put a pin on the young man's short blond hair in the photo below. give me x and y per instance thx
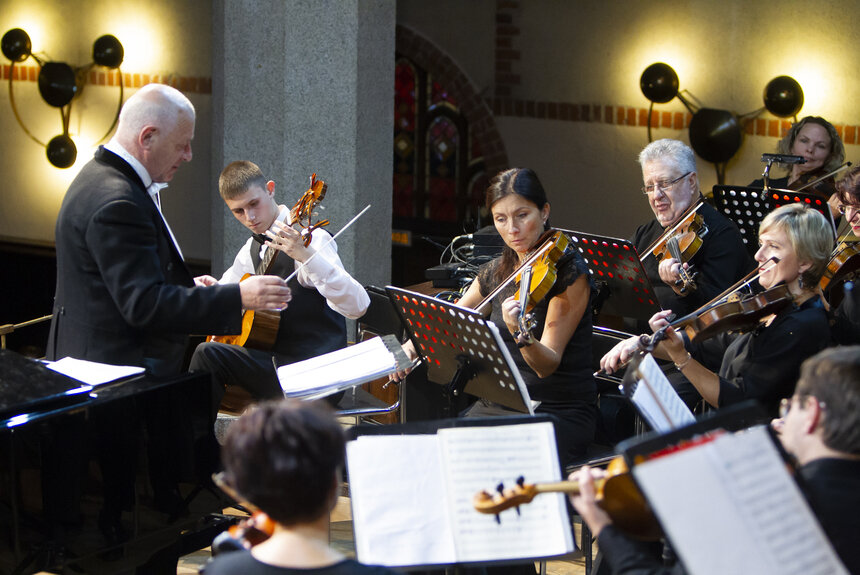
(238, 177)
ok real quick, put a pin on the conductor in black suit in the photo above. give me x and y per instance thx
(124, 294)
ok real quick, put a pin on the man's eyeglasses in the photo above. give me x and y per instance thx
(664, 186)
(845, 208)
(785, 406)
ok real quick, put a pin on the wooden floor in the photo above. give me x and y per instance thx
(342, 540)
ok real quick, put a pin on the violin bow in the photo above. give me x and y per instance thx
(824, 177)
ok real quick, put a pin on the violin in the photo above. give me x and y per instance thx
(245, 534)
(617, 494)
(542, 263)
(681, 242)
(844, 263)
(248, 532)
(815, 182)
(738, 313)
(303, 211)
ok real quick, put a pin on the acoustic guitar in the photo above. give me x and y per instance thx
(259, 328)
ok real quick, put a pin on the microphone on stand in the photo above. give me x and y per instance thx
(783, 158)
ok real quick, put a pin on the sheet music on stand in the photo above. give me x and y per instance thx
(344, 368)
(615, 263)
(750, 516)
(654, 397)
(411, 489)
(460, 346)
(747, 207)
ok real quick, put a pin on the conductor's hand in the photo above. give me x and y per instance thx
(619, 355)
(585, 502)
(264, 292)
(205, 280)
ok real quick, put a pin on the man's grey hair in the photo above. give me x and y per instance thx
(673, 153)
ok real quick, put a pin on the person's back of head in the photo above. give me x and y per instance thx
(832, 377)
(285, 457)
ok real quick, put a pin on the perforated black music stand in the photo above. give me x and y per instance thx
(747, 207)
(615, 263)
(461, 347)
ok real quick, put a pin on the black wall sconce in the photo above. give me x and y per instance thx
(59, 85)
(716, 135)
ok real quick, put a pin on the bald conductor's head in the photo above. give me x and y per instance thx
(156, 126)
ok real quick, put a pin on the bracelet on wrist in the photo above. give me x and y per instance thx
(683, 364)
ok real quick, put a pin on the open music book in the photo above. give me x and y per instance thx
(655, 398)
(353, 365)
(729, 505)
(412, 495)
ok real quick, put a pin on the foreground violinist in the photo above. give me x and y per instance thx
(555, 358)
(286, 459)
(820, 428)
(762, 364)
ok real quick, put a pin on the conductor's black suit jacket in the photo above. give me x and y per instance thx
(124, 295)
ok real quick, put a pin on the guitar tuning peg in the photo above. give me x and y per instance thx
(518, 509)
(498, 519)
(500, 487)
(521, 480)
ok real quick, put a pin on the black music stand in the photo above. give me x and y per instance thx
(461, 347)
(615, 264)
(747, 207)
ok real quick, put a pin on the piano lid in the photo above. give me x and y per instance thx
(26, 385)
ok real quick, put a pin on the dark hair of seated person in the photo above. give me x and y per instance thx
(285, 457)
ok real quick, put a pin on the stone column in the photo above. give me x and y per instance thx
(304, 86)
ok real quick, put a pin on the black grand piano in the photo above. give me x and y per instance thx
(53, 470)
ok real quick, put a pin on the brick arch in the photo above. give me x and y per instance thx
(477, 112)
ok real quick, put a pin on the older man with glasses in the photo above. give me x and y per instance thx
(671, 185)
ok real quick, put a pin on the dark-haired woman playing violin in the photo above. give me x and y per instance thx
(555, 359)
(764, 363)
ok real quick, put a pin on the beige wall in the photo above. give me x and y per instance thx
(575, 52)
(160, 38)
(594, 53)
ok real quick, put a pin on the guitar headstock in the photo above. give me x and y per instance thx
(504, 498)
(303, 211)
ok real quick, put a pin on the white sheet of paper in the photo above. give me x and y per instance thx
(649, 404)
(361, 362)
(477, 458)
(90, 372)
(397, 493)
(730, 506)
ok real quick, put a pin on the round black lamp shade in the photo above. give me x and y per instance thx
(715, 134)
(57, 83)
(61, 151)
(659, 83)
(783, 97)
(108, 52)
(16, 45)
